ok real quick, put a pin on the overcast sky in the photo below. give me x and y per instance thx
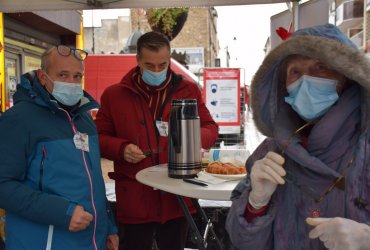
(248, 24)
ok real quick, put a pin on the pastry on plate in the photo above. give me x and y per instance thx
(226, 168)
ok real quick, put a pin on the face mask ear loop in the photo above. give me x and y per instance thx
(295, 84)
(47, 76)
(44, 72)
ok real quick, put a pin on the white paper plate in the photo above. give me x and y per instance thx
(230, 177)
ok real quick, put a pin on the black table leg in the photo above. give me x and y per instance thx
(193, 226)
(201, 241)
(209, 226)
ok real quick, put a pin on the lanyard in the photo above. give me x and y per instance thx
(176, 81)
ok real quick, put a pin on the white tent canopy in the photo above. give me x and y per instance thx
(7, 6)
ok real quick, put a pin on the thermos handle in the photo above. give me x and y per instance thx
(175, 130)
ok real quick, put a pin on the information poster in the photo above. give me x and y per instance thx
(222, 97)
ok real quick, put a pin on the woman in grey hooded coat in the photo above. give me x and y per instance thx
(309, 181)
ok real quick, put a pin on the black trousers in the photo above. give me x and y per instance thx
(171, 235)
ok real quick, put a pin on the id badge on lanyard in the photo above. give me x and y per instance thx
(162, 127)
(81, 141)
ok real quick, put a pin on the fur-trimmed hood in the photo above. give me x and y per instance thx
(325, 43)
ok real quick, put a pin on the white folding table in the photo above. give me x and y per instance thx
(157, 177)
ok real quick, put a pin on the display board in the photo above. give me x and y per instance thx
(222, 98)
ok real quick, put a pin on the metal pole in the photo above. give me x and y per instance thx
(93, 32)
(295, 13)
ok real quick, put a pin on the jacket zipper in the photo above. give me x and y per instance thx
(74, 129)
(44, 156)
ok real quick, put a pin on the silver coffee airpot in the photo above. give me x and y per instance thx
(184, 142)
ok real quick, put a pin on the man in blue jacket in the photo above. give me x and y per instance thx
(51, 183)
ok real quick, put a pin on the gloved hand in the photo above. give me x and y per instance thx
(265, 175)
(340, 233)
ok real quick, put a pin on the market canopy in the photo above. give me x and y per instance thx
(7, 6)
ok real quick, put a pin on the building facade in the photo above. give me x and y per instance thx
(367, 28)
(198, 37)
(106, 35)
(351, 16)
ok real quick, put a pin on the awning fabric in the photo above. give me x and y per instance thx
(7, 6)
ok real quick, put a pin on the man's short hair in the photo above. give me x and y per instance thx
(45, 58)
(152, 41)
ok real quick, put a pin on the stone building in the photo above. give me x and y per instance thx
(198, 37)
(109, 37)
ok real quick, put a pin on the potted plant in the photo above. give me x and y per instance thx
(168, 21)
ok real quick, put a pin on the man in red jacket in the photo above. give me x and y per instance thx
(129, 136)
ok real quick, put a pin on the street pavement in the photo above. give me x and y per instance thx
(252, 136)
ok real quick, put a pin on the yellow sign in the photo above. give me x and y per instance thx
(2, 223)
(2, 64)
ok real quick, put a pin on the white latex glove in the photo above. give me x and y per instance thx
(340, 233)
(265, 175)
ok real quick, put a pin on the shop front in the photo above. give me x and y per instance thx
(24, 37)
(19, 57)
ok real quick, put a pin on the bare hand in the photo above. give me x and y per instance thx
(112, 242)
(133, 154)
(80, 219)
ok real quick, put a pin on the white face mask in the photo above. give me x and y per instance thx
(67, 93)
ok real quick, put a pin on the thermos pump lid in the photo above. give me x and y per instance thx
(186, 108)
(183, 102)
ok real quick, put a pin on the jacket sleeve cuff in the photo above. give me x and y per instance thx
(71, 208)
(122, 150)
(251, 213)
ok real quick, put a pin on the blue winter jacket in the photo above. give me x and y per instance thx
(338, 144)
(43, 176)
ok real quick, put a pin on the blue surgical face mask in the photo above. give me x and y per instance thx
(311, 97)
(154, 78)
(67, 93)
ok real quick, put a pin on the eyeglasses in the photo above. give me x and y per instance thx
(339, 182)
(66, 51)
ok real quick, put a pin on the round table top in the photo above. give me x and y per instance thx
(157, 177)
